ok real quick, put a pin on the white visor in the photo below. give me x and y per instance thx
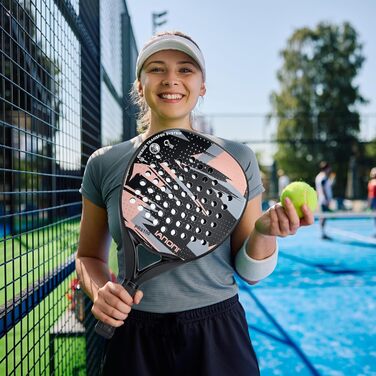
(170, 42)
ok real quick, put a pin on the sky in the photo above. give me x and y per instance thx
(241, 41)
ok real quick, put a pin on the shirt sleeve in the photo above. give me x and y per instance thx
(91, 187)
(252, 172)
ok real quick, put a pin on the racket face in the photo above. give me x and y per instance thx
(182, 194)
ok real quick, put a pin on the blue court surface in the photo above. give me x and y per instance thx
(316, 314)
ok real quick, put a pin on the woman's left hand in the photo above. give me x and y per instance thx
(283, 221)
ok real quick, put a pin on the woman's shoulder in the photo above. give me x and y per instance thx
(110, 153)
(238, 150)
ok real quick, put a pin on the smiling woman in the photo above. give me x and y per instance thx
(188, 320)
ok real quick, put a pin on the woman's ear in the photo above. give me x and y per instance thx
(202, 89)
(140, 89)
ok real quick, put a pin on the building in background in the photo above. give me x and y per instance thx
(66, 68)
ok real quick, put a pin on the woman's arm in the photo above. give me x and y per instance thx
(112, 303)
(261, 229)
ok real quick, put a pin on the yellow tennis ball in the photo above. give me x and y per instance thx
(300, 193)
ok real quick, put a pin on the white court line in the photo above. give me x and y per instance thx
(351, 235)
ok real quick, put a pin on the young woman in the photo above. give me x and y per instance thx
(187, 321)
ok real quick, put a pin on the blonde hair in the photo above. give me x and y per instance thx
(143, 114)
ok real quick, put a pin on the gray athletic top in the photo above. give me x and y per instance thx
(196, 284)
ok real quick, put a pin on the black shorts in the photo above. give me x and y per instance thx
(209, 341)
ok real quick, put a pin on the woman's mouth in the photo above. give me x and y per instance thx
(171, 97)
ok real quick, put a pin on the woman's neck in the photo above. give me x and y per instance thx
(159, 126)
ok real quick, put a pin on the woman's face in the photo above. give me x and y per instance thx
(171, 83)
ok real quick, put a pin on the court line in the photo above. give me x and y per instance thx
(289, 341)
(351, 235)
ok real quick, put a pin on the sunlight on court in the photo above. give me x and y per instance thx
(316, 314)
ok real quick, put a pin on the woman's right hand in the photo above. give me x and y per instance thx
(113, 303)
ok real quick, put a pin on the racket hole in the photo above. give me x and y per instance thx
(138, 192)
(163, 229)
(176, 187)
(200, 166)
(213, 203)
(158, 197)
(214, 182)
(199, 188)
(224, 207)
(213, 224)
(183, 194)
(210, 170)
(153, 165)
(178, 161)
(145, 199)
(198, 209)
(140, 207)
(218, 215)
(178, 203)
(183, 236)
(147, 173)
(173, 171)
(150, 190)
(193, 238)
(186, 169)
(178, 223)
(155, 181)
(229, 198)
(203, 242)
(153, 206)
(183, 215)
(165, 163)
(189, 185)
(192, 160)
(163, 189)
(204, 200)
(207, 233)
(188, 226)
(168, 220)
(181, 177)
(188, 206)
(165, 204)
(160, 172)
(209, 212)
(173, 211)
(204, 179)
(170, 196)
(132, 200)
(194, 176)
(193, 218)
(158, 156)
(209, 191)
(173, 232)
(219, 194)
(142, 183)
(155, 222)
(147, 215)
(198, 230)
(168, 180)
(203, 221)
(160, 213)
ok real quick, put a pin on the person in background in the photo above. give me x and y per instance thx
(372, 192)
(324, 183)
(283, 181)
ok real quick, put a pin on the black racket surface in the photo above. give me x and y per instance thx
(182, 196)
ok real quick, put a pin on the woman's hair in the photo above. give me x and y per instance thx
(143, 115)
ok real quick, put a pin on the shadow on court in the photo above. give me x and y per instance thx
(315, 315)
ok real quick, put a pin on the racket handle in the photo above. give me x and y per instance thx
(106, 330)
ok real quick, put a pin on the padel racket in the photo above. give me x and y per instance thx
(181, 197)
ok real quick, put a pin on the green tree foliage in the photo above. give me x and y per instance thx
(316, 104)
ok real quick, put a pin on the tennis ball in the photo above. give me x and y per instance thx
(300, 193)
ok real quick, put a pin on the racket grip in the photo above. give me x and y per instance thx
(106, 330)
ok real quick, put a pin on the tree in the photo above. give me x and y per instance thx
(316, 107)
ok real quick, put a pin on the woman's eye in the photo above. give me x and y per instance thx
(156, 69)
(185, 70)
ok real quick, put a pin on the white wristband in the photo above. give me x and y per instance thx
(254, 270)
